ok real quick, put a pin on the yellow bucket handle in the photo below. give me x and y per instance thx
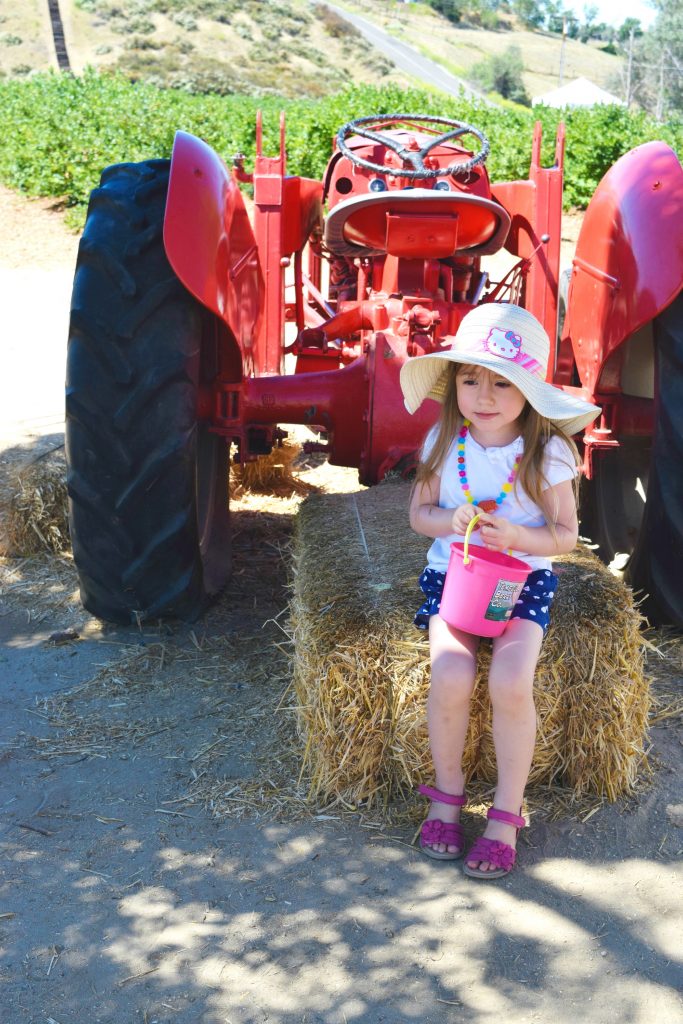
(473, 522)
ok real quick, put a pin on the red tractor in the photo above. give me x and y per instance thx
(185, 311)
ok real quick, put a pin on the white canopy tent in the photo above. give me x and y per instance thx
(579, 93)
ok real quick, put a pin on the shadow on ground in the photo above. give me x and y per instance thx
(159, 863)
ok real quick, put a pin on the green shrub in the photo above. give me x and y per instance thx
(186, 21)
(260, 54)
(109, 11)
(380, 65)
(60, 131)
(502, 73)
(309, 53)
(140, 43)
(451, 9)
(127, 27)
(334, 24)
(217, 80)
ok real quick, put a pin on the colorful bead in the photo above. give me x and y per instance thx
(462, 473)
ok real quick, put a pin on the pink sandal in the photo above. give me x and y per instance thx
(436, 831)
(500, 855)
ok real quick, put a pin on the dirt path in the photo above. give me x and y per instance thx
(159, 864)
(33, 234)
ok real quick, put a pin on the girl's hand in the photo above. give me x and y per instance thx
(462, 517)
(497, 533)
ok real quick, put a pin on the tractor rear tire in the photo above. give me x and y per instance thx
(648, 534)
(147, 481)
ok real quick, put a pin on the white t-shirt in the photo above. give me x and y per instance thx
(487, 470)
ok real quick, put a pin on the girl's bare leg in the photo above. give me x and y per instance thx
(511, 680)
(454, 665)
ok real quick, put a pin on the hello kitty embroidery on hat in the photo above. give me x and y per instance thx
(504, 343)
(508, 345)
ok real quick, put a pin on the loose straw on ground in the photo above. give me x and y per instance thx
(270, 474)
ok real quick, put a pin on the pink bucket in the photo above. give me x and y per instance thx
(481, 588)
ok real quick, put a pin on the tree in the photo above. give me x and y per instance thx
(484, 13)
(554, 14)
(451, 9)
(587, 28)
(502, 73)
(573, 26)
(657, 62)
(630, 25)
(530, 12)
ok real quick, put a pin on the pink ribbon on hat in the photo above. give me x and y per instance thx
(504, 344)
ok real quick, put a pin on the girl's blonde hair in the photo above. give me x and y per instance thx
(536, 432)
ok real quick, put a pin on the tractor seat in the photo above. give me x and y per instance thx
(416, 223)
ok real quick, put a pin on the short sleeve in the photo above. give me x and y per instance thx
(429, 442)
(559, 464)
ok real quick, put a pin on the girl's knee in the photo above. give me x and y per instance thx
(452, 679)
(509, 689)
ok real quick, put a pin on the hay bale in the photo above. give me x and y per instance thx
(361, 669)
(34, 509)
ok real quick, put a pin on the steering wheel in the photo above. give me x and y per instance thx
(414, 157)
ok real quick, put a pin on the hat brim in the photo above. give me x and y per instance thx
(425, 377)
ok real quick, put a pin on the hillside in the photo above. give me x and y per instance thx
(459, 48)
(289, 47)
(292, 48)
(25, 37)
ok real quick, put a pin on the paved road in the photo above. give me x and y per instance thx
(408, 59)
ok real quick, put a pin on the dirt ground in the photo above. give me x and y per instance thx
(159, 860)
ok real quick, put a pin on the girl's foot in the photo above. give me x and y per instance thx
(496, 831)
(441, 835)
(493, 854)
(449, 816)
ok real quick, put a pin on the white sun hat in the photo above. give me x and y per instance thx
(509, 341)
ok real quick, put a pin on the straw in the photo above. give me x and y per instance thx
(361, 668)
(274, 473)
(34, 509)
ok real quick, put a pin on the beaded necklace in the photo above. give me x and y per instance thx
(489, 504)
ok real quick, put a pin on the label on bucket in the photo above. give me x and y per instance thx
(503, 601)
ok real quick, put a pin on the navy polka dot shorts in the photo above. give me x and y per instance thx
(534, 602)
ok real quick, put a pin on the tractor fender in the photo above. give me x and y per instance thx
(209, 241)
(628, 264)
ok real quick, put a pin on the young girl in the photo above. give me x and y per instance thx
(501, 448)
